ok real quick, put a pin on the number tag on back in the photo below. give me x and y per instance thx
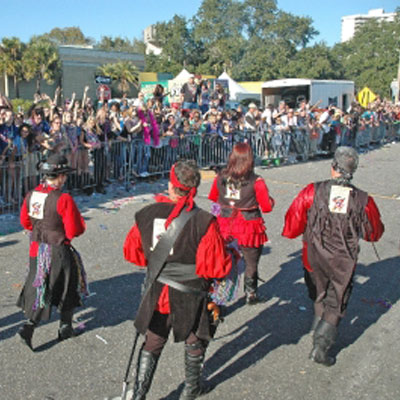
(36, 205)
(339, 199)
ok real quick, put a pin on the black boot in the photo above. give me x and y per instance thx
(250, 290)
(26, 333)
(146, 366)
(65, 331)
(193, 388)
(315, 322)
(324, 338)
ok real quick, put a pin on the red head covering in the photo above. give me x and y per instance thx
(184, 200)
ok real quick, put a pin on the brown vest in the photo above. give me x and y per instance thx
(335, 232)
(50, 229)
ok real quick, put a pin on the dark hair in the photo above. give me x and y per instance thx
(240, 164)
(188, 174)
(30, 138)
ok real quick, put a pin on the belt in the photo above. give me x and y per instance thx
(227, 212)
(181, 288)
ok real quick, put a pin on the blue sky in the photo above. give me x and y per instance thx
(128, 18)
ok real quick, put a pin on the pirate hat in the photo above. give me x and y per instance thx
(55, 165)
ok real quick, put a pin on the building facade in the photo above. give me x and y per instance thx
(78, 69)
(350, 23)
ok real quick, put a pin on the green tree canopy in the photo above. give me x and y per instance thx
(69, 35)
(41, 61)
(11, 51)
(371, 57)
(109, 43)
(123, 71)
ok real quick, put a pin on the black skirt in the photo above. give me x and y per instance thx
(61, 285)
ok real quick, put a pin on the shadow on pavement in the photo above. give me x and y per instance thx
(282, 323)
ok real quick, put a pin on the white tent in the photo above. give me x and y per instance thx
(175, 85)
(183, 75)
(237, 92)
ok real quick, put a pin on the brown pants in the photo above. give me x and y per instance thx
(158, 332)
(326, 304)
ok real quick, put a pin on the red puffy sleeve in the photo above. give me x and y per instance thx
(296, 215)
(375, 228)
(212, 259)
(265, 202)
(24, 217)
(214, 192)
(133, 249)
(74, 225)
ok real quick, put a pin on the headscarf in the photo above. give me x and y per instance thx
(187, 200)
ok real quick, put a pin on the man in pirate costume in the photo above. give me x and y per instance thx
(56, 275)
(332, 216)
(176, 297)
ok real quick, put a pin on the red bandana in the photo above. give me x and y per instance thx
(184, 200)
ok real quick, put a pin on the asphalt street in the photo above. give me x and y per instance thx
(259, 352)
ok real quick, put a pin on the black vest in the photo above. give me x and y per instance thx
(50, 229)
(189, 312)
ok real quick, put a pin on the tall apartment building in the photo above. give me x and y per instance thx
(351, 22)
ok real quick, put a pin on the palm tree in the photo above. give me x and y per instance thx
(11, 50)
(123, 71)
(41, 61)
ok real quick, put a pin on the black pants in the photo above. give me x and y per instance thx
(251, 257)
(158, 332)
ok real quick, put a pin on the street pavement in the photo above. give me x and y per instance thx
(259, 352)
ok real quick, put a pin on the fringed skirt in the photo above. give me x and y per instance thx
(60, 281)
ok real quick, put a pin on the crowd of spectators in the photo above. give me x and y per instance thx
(80, 128)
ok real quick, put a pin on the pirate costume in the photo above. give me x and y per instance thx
(332, 215)
(56, 275)
(177, 298)
(240, 218)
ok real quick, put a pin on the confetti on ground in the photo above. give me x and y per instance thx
(386, 303)
(103, 227)
(16, 285)
(103, 340)
(302, 308)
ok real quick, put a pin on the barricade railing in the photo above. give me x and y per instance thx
(124, 161)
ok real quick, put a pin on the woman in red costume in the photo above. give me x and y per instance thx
(242, 196)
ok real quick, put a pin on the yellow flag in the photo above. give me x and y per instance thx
(366, 96)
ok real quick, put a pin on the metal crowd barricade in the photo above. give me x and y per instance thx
(12, 181)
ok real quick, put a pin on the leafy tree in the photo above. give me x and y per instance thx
(109, 43)
(41, 61)
(316, 62)
(219, 27)
(371, 57)
(123, 71)
(69, 35)
(11, 50)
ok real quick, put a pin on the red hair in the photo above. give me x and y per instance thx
(240, 163)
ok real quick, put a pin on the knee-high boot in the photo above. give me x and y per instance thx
(146, 366)
(65, 331)
(194, 387)
(250, 290)
(324, 338)
(26, 333)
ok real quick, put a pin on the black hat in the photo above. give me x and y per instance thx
(55, 165)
